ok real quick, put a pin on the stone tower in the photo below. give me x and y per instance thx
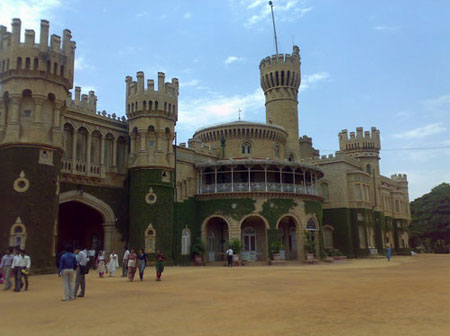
(364, 146)
(35, 79)
(280, 81)
(152, 115)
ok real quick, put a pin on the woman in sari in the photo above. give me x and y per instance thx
(159, 264)
(132, 264)
(101, 269)
(141, 263)
(113, 264)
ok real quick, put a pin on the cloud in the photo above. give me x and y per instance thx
(422, 132)
(308, 80)
(187, 15)
(439, 106)
(193, 82)
(196, 113)
(81, 64)
(29, 11)
(384, 28)
(259, 10)
(232, 59)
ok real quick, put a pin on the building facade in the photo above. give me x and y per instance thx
(72, 174)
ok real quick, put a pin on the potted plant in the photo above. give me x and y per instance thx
(197, 251)
(275, 248)
(309, 245)
(236, 246)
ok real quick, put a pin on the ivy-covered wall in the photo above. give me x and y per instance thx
(340, 220)
(160, 214)
(116, 198)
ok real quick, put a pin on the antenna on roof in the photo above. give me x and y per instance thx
(274, 30)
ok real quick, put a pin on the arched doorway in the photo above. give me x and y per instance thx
(217, 238)
(254, 239)
(287, 227)
(80, 226)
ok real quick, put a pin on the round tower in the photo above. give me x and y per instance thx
(35, 79)
(364, 146)
(280, 81)
(152, 115)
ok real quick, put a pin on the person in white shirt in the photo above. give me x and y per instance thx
(21, 266)
(126, 254)
(229, 253)
(113, 264)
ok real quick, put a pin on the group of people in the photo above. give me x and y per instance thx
(75, 263)
(15, 262)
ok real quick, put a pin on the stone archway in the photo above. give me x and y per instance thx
(103, 209)
(254, 237)
(215, 235)
(292, 243)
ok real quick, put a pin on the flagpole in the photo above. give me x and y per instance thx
(274, 30)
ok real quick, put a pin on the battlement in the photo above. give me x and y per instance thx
(200, 147)
(53, 61)
(399, 177)
(146, 99)
(305, 139)
(87, 104)
(361, 141)
(280, 59)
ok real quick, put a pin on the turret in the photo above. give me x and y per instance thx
(153, 113)
(35, 80)
(362, 145)
(402, 180)
(280, 81)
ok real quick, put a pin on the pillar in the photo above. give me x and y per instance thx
(108, 235)
(114, 156)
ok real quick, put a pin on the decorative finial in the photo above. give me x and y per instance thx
(239, 112)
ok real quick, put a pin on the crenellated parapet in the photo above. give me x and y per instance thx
(399, 177)
(52, 61)
(360, 144)
(141, 100)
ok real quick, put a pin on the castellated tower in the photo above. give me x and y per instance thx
(152, 116)
(35, 79)
(364, 146)
(280, 81)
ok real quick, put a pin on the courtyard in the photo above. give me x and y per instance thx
(407, 296)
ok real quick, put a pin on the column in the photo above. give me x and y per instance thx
(215, 180)
(2, 115)
(133, 143)
(201, 181)
(281, 180)
(142, 138)
(304, 182)
(88, 158)
(107, 237)
(265, 177)
(37, 111)
(249, 189)
(293, 179)
(102, 156)
(56, 114)
(74, 149)
(114, 156)
(14, 115)
(300, 244)
(232, 179)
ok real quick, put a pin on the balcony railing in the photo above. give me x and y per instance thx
(258, 187)
(80, 168)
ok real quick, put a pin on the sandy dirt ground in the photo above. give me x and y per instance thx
(408, 296)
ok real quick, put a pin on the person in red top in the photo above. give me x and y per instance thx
(159, 264)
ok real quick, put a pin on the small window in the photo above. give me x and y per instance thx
(277, 151)
(186, 242)
(150, 239)
(291, 158)
(27, 113)
(246, 148)
(368, 169)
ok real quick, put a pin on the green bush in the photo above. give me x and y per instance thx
(236, 246)
(198, 248)
(334, 252)
(275, 247)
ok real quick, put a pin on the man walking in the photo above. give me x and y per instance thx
(67, 264)
(5, 265)
(82, 265)
(229, 254)
(21, 266)
(126, 255)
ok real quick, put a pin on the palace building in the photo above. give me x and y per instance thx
(71, 174)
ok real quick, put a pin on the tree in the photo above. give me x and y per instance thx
(430, 219)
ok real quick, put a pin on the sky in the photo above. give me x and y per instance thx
(364, 63)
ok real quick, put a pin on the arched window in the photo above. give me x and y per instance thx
(18, 234)
(246, 148)
(311, 225)
(277, 151)
(249, 238)
(324, 191)
(150, 239)
(186, 242)
(368, 169)
(68, 141)
(328, 237)
(291, 158)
